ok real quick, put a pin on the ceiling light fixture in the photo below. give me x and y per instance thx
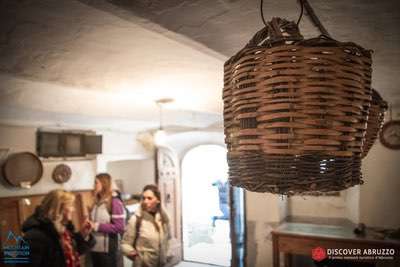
(160, 134)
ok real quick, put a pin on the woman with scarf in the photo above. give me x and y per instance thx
(50, 234)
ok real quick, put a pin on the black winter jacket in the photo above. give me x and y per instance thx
(44, 242)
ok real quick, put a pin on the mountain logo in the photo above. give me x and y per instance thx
(15, 249)
(14, 239)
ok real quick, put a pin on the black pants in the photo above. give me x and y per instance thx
(111, 259)
(104, 259)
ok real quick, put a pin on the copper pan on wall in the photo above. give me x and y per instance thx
(22, 169)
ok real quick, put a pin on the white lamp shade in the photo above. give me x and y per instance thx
(160, 137)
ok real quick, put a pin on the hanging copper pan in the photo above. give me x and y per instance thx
(22, 169)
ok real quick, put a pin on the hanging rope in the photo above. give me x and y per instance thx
(301, 12)
(262, 12)
(314, 19)
(310, 12)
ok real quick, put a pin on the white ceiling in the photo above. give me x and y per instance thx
(66, 63)
(225, 26)
(103, 63)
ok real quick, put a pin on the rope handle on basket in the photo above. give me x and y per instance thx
(279, 31)
(272, 33)
(304, 4)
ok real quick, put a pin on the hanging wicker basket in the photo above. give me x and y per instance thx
(375, 121)
(296, 112)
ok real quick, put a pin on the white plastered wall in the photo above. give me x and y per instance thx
(23, 139)
(117, 147)
(380, 195)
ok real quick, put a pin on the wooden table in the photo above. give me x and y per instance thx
(301, 238)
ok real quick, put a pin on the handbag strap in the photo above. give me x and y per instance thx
(137, 229)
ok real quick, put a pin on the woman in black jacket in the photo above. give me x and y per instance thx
(51, 236)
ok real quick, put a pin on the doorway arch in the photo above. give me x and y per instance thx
(205, 224)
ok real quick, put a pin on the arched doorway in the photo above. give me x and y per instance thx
(205, 206)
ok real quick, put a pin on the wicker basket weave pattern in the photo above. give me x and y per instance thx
(296, 112)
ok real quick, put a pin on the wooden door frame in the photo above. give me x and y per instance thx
(235, 261)
(177, 215)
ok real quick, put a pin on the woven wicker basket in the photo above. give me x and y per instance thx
(296, 111)
(375, 121)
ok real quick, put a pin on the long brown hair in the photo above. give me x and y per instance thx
(154, 188)
(106, 188)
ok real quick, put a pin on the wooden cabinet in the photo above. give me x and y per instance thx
(15, 210)
(9, 218)
(302, 238)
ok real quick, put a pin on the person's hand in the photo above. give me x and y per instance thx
(87, 228)
(132, 255)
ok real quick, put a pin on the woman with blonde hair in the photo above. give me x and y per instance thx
(50, 233)
(108, 217)
(146, 240)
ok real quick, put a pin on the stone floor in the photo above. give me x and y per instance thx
(208, 245)
(192, 264)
